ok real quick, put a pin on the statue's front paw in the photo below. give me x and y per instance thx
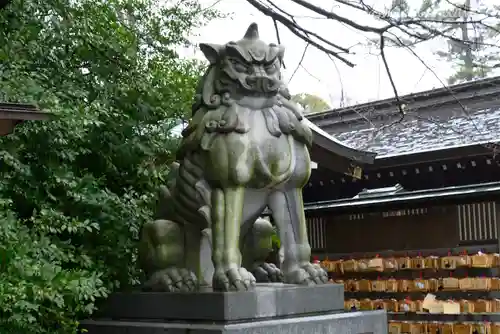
(267, 272)
(233, 279)
(172, 280)
(308, 274)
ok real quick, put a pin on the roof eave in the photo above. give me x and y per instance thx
(22, 112)
(333, 154)
(439, 194)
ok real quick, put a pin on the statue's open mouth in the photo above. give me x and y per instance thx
(262, 84)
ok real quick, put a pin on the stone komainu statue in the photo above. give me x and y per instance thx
(245, 149)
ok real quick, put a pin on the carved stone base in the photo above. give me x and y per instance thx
(270, 308)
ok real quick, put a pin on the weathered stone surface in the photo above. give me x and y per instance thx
(246, 148)
(372, 322)
(267, 300)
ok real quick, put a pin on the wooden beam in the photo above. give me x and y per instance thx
(12, 114)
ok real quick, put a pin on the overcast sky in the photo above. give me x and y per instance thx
(320, 75)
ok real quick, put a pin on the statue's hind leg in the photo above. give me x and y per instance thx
(163, 257)
(288, 212)
(256, 247)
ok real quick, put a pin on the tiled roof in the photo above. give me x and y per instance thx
(460, 115)
(420, 134)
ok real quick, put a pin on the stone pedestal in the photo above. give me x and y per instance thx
(270, 308)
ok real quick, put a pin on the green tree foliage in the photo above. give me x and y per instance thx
(471, 30)
(76, 189)
(310, 103)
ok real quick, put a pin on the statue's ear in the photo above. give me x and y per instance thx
(211, 51)
(281, 53)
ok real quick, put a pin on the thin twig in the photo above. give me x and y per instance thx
(338, 18)
(278, 39)
(300, 63)
(391, 79)
(342, 91)
(462, 106)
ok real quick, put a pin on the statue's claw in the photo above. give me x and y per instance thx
(234, 279)
(172, 280)
(267, 272)
(308, 274)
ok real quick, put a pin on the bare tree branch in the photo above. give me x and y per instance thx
(339, 18)
(418, 28)
(390, 30)
(301, 32)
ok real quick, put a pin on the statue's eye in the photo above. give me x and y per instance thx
(239, 66)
